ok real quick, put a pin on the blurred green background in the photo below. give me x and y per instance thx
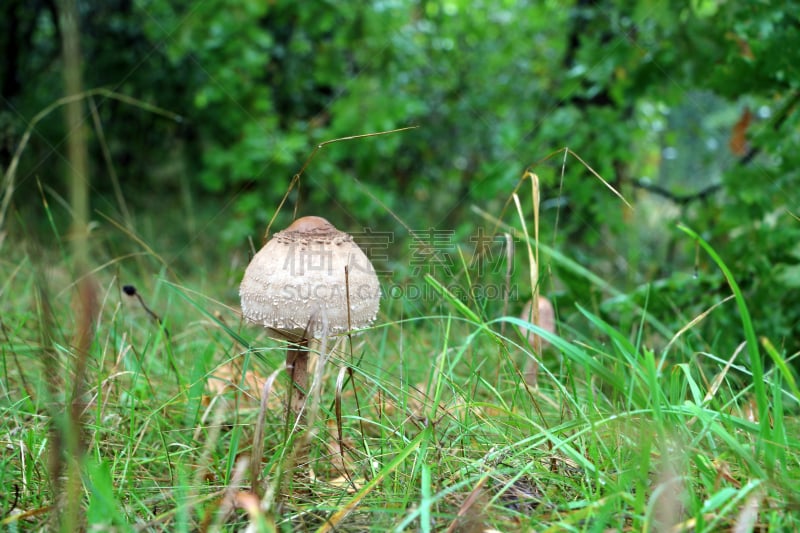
(688, 109)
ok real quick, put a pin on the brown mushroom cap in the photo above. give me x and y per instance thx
(295, 285)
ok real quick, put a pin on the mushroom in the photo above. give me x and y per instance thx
(545, 318)
(310, 280)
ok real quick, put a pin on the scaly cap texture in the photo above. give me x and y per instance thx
(295, 285)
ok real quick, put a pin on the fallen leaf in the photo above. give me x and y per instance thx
(738, 142)
(228, 377)
(543, 316)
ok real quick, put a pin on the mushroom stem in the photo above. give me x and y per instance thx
(297, 367)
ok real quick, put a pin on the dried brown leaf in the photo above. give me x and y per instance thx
(228, 377)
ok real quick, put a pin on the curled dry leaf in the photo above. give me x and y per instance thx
(249, 502)
(545, 319)
(748, 516)
(350, 485)
(738, 142)
(544, 316)
(228, 377)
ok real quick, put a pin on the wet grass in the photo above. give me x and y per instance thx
(422, 423)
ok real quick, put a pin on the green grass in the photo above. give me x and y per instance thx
(424, 423)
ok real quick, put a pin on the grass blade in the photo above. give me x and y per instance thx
(332, 523)
(749, 332)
